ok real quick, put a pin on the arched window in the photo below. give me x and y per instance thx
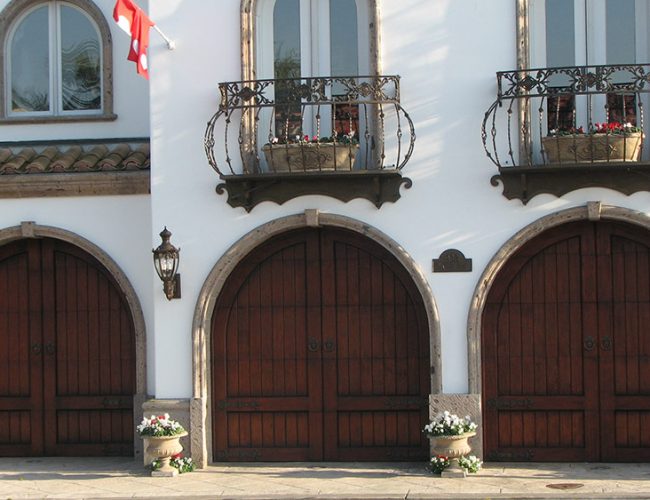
(56, 61)
(293, 38)
(587, 33)
(305, 38)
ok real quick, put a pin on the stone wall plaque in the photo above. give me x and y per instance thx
(452, 261)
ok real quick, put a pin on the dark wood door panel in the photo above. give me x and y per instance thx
(266, 361)
(77, 351)
(567, 321)
(21, 350)
(376, 348)
(624, 341)
(340, 325)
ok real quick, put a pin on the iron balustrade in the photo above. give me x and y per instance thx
(541, 112)
(296, 126)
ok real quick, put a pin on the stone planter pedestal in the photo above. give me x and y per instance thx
(453, 447)
(163, 448)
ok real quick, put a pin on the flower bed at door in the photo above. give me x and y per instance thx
(158, 426)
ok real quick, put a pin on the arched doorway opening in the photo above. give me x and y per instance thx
(565, 347)
(320, 350)
(67, 352)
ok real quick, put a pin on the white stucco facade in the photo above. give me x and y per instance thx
(447, 53)
(448, 81)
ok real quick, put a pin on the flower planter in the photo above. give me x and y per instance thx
(453, 447)
(310, 157)
(163, 448)
(593, 148)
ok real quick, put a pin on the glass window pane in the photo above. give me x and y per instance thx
(30, 64)
(286, 38)
(286, 64)
(344, 60)
(621, 32)
(80, 62)
(560, 33)
(344, 38)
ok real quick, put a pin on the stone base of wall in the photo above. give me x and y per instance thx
(461, 405)
(178, 409)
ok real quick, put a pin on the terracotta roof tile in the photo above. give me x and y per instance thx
(17, 161)
(74, 158)
(65, 160)
(139, 159)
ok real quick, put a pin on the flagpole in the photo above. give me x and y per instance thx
(171, 45)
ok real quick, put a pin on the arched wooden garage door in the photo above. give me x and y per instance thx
(67, 362)
(566, 348)
(320, 351)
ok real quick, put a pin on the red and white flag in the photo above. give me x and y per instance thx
(136, 23)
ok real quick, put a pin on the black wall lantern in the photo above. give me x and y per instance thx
(165, 259)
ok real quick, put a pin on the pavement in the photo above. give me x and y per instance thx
(119, 478)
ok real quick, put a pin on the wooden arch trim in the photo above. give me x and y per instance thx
(201, 328)
(592, 211)
(8, 16)
(248, 36)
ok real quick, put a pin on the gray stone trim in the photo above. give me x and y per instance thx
(75, 184)
(34, 230)
(40, 120)
(201, 435)
(461, 405)
(523, 62)
(7, 17)
(248, 30)
(509, 248)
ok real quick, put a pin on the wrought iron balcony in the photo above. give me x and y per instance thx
(554, 130)
(346, 137)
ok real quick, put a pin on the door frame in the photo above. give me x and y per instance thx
(30, 229)
(200, 417)
(592, 211)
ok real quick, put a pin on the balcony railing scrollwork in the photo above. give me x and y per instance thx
(554, 130)
(346, 137)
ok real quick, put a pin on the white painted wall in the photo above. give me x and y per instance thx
(447, 52)
(120, 225)
(130, 97)
(113, 223)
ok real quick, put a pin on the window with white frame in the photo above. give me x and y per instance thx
(308, 38)
(588, 33)
(55, 61)
(312, 38)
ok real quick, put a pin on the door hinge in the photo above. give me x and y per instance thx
(509, 404)
(225, 403)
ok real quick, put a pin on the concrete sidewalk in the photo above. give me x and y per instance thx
(123, 478)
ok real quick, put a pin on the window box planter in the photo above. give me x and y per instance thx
(592, 148)
(310, 157)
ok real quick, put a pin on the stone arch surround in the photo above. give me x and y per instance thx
(33, 230)
(200, 419)
(593, 211)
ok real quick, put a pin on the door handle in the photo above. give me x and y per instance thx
(606, 343)
(312, 344)
(37, 349)
(329, 346)
(49, 348)
(589, 343)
